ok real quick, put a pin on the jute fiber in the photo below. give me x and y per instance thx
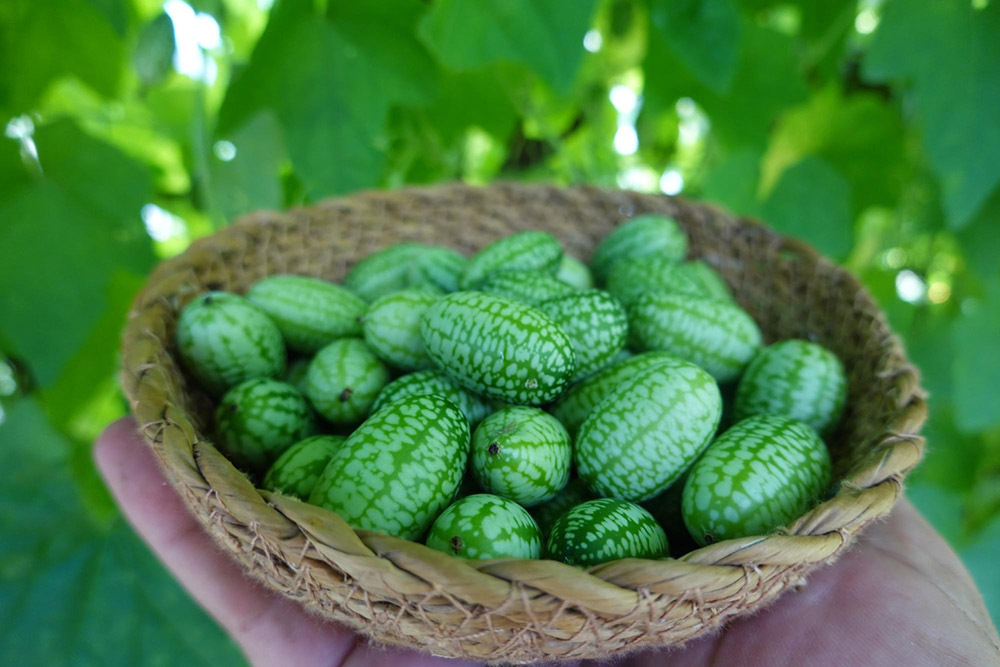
(400, 592)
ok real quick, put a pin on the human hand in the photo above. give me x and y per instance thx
(900, 597)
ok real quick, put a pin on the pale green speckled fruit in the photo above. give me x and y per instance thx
(343, 380)
(521, 453)
(643, 235)
(594, 322)
(392, 328)
(533, 250)
(760, 474)
(647, 431)
(483, 526)
(223, 340)
(398, 470)
(296, 472)
(309, 312)
(259, 419)
(575, 273)
(527, 286)
(500, 348)
(436, 382)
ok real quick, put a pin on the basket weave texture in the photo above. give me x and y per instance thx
(400, 592)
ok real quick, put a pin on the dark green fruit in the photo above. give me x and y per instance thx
(603, 530)
(296, 472)
(643, 235)
(483, 526)
(343, 380)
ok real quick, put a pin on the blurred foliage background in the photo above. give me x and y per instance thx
(869, 128)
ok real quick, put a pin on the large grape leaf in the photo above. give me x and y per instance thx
(733, 182)
(66, 233)
(767, 80)
(545, 35)
(331, 81)
(704, 35)
(77, 590)
(41, 40)
(813, 202)
(250, 179)
(860, 135)
(948, 53)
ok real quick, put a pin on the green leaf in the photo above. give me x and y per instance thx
(812, 202)
(949, 56)
(42, 40)
(981, 238)
(544, 35)
(733, 183)
(451, 114)
(704, 35)
(861, 136)
(331, 81)
(68, 233)
(767, 80)
(976, 365)
(250, 180)
(154, 50)
(76, 591)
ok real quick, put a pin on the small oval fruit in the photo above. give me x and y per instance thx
(631, 278)
(711, 283)
(437, 268)
(384, 271)
(521, 453)
(797, 379)
(574, 273)
(343, 380)
(223, 340)
(499, 348)
(398, 470)
(295, 373)
(574, 493)
(392, 328)
(259, 419)
(594, 322)
(483, 526)
(760, 474)
(297, 470)
(643, 235)
(603, 530)
(532, 250)
(308, 312)
(647, 431)
(434, 382)
(530, 287)
(576, 404)
(717, 335)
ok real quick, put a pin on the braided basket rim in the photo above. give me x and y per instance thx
(401, 592)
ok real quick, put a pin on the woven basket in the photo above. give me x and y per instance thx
(400, 592)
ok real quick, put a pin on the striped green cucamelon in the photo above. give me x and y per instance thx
(483, 526)
(711, 283)
(259, 419)
(717, 335)
(577, 403)
(532, 250)
(575, 273)
(603, 530)
(643, 235)
(308, 312)
(574, 493)
(437, 268)
(223, 340)
(526, 286)
(384, 271)
(296, 472)
(499, 348)
(760, 474)
(391, 327)
(797, 379)
(433, 381)
(632, 277)
(343, 380)
(647, 431)
(398, 470)
(521, 453)
(594, 322)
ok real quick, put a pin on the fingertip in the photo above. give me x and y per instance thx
(112, 443)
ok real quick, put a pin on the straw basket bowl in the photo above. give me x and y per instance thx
(400, 592)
